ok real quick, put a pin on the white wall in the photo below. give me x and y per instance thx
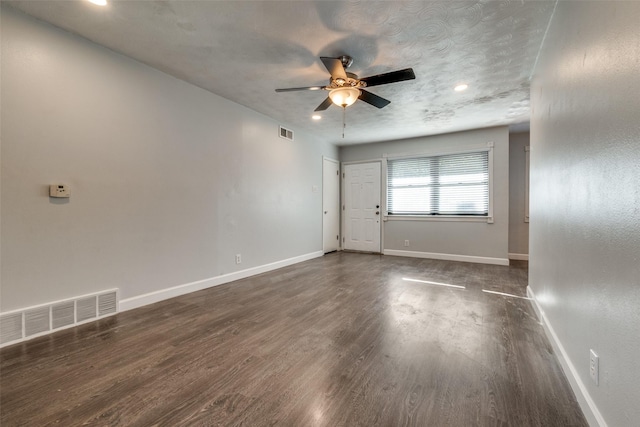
(476, 239)
(168, 181)
(585, 198)
(518, 229)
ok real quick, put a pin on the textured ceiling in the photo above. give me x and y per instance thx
(243, 50)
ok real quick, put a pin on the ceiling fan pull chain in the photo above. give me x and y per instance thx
(344, 119)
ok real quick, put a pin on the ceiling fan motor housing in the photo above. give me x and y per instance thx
(351, 81)
(346, 61)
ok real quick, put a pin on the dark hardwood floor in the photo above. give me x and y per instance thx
(340, 340)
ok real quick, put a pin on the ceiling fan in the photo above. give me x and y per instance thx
(345, 88)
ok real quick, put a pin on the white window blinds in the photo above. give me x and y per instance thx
(453, 184)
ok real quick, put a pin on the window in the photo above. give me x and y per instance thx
(452, 184)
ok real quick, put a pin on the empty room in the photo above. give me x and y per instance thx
(319, 213)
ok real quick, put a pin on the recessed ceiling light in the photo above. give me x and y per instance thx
(316, 117)
(99, 2)
(461, 87)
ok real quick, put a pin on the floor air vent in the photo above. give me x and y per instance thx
(107, 303)
(10, 327)
(27, 323)
(286, 133)
(62, 314)
(86, 308)
(36, 321)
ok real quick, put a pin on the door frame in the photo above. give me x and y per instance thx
(383, 192)
(337, 162)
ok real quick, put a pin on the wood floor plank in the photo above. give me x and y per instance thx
(341, 340)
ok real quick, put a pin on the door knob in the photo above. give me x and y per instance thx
(377, 206)
(325, 212)
(377, 213)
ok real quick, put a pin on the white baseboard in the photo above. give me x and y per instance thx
(447, 257)
(519, 257)
(588, 406)
(163, 294)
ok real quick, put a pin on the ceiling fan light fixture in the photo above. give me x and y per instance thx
(344, 96)
(461, 87)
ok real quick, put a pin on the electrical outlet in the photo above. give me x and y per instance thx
(406, 243)
(594, 367)
(238, 259)
(59, 190)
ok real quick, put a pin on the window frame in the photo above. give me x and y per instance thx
(488, 147)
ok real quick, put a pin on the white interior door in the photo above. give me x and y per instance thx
(330, 205)
(362, 207)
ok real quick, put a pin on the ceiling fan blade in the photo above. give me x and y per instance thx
(392, 77)
(325, 104)
(293, 89)
(375, 100)
(334, 66)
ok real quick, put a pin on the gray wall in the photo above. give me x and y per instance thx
(585, 196)
(518, 229)
(457, 238)
(168, 181)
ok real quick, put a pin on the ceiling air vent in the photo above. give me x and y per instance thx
(286, 133)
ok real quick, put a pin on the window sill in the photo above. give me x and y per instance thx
(439, 218)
